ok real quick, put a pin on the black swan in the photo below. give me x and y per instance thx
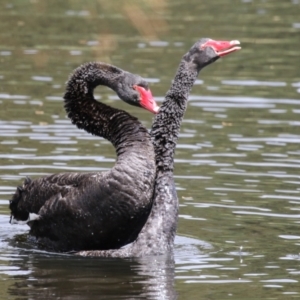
(76, 211)
(157, 236)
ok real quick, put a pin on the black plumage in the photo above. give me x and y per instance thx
(157, 236)
(76, 211)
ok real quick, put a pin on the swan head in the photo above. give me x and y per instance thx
(134, 90)
(206, 51)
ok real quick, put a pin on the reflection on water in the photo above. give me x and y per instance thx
(41, 276)
(237, 160)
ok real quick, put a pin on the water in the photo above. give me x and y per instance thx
(237, 160)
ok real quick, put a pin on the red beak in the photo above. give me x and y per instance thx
(222, 48)
(147, 101)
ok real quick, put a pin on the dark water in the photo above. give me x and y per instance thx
(237, 161)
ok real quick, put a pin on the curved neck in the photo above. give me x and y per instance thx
(165, 129)
(86, 77)
(115, 125)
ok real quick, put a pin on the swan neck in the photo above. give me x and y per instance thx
(88, 76)
(121, 129)
(165, 129)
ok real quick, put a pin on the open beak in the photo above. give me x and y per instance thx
(147, 101)
(223, 48)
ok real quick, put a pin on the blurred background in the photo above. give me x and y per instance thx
(237, 160)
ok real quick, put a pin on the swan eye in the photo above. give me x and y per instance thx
(144, 85)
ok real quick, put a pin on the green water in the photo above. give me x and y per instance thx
(237, 160)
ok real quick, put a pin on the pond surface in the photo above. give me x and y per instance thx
(237, 160)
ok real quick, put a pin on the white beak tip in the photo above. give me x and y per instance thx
(235, 42)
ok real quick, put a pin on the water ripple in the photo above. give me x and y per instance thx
(254, 83)
(277, 215)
